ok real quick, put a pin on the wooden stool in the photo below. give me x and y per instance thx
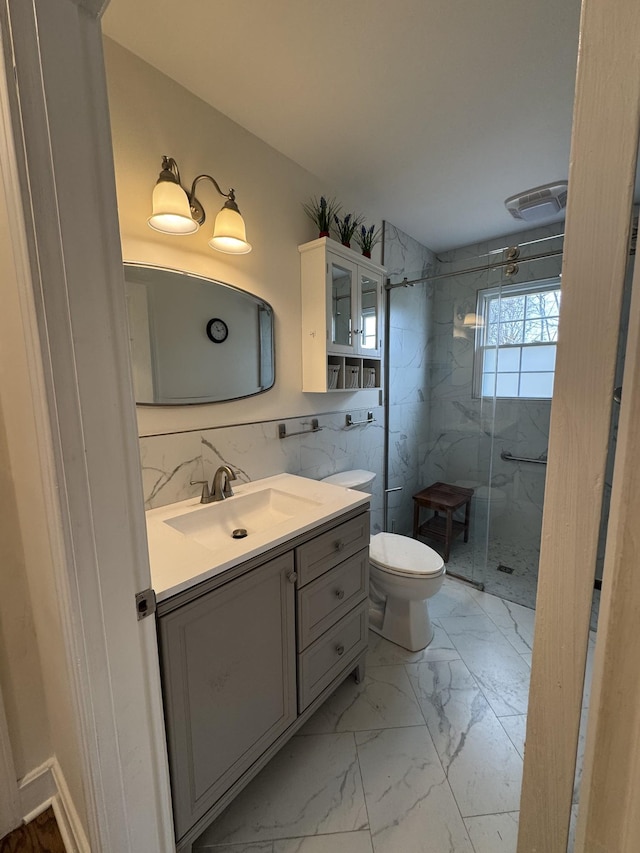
(442, 498)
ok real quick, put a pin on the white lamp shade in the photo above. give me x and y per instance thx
(229, 233)
(171, 212)
(473, 321)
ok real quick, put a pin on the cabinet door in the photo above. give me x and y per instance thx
(369, 325)
(342, 283)
(228, 667)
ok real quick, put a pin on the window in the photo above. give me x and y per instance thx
(516, 343)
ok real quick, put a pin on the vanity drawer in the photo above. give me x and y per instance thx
(316, 557)
(331, 654)
(331, 596)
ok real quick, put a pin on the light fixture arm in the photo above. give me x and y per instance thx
(197, 210)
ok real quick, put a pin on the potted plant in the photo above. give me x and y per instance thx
(322, 212)
(367, 238)
(346, 227)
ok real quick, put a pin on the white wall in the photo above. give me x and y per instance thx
(33, 663)
(152, 115)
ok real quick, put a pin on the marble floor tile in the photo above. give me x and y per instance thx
(410, 805)
(494, 833)
(312, 786)
(453, 599)
(580, 754)
(500, 671)
(385, 699)
(515, 621)
(343, 842)
(516, 727)
(383, 653)
(572, 829)
(250, 847)
(482, 765)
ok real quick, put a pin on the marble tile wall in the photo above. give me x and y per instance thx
(409, 408)
(169, 462)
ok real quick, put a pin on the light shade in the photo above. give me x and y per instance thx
(473, 321)
(171, 211)
(229, 233)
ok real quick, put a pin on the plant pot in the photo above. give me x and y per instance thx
(323, 234)
(366, 254)
(347, 244)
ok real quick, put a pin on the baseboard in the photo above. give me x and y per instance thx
(46, 786)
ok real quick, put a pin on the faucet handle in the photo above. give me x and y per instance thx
(206, 495)
(228, 491)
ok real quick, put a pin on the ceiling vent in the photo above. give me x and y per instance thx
(538, 203)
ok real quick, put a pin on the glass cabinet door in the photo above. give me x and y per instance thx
(369, 322)
(342, 290)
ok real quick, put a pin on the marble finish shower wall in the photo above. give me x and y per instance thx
(409, 321)
(170, 462)
(466, 434)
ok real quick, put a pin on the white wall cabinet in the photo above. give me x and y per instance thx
(249, 656)
(342, 325)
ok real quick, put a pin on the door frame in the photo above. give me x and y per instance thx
(602, 174)
(58, 180)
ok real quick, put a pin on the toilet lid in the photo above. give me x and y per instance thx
(402, 555)
(349, 479)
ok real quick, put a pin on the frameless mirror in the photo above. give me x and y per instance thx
(194, 339)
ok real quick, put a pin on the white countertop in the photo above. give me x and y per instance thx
(178, 562)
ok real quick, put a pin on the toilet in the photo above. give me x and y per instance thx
(404, 574)
(485, 500)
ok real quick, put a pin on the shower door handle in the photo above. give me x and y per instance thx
(396, 489)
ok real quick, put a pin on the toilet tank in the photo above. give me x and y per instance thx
(358, 479)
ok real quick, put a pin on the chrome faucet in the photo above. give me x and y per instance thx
(225, 475)
(218, 492)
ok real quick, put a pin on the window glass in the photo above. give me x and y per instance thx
(518, 340)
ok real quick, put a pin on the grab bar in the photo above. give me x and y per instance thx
(282, 429)
(349, 422)
(509, 458)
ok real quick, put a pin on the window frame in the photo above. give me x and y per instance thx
(483, 300)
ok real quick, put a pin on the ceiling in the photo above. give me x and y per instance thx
(428, 112)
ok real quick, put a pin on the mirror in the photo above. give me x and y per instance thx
(194, 339)
(341, 298)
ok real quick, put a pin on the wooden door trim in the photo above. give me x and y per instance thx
(601, 178)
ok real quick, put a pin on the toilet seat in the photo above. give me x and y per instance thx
(358, 479)
(400, 555)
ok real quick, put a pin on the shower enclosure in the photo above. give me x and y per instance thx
(471, 352)
(471, 341)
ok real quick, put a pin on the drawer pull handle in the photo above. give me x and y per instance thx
(340, 594)
(339, 650)
(339, 545)
(292, 577)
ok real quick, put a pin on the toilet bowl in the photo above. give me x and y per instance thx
(485, 500)
(403, 574)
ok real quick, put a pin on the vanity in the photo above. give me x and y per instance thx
(254, 632)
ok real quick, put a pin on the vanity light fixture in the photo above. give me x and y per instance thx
(178, 211)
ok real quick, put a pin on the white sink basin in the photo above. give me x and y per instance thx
(190, 542)
(245, 514)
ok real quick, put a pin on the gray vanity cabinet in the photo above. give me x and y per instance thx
(229, 683)
(249, 655)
